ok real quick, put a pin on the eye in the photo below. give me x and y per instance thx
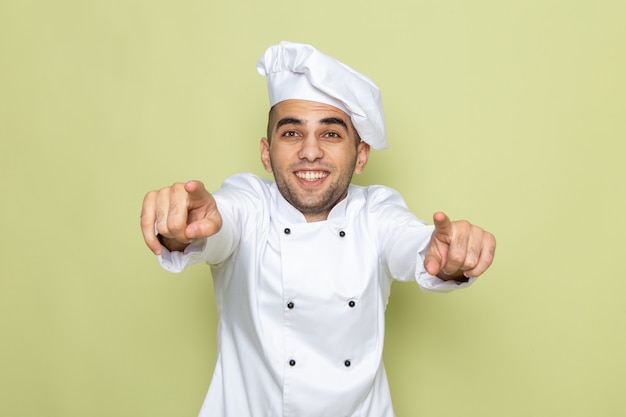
(290, 134)
(333, 135)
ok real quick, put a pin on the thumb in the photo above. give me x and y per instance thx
(204, 227)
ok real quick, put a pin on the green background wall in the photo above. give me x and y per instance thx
(507, 113)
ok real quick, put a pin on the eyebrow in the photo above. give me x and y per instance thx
(334, 121)
(288, 121)
(325, 121)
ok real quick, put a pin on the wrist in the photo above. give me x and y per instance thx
(172, 244)
(458, 276)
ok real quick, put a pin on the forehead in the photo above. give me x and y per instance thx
(308, 111)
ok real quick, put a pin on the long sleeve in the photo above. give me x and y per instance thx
(404, 241)
(177, 261)
(237, 199)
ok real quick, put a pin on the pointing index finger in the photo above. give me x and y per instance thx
(442, 222)
(194, 186)
(196, 190)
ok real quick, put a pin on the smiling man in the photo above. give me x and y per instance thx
(312, 150)
(303, 266)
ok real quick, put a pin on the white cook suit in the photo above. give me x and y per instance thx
(302, 305)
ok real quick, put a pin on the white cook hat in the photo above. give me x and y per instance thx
(299, 71)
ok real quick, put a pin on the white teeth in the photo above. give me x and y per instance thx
(311, 175)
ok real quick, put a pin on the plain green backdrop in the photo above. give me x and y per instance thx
(508, 113)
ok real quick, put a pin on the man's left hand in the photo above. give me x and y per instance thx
(458, 250)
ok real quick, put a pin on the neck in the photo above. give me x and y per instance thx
(316, 217)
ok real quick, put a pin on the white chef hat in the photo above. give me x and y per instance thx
(299, 71)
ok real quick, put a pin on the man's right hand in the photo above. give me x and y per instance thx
(181, 213)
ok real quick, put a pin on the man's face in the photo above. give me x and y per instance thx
(313, 153)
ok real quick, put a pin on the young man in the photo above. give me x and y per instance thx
(303, 266)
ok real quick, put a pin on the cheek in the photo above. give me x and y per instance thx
(350, 160)
(279, 157)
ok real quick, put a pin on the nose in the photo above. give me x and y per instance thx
(310, 149)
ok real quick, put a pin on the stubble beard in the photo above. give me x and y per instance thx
(309, 202)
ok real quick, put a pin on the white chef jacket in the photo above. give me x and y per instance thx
(302, 305)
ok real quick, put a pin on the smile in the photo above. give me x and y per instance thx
(311, 175)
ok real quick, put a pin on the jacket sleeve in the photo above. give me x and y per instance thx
(403, 241)
(237, 200)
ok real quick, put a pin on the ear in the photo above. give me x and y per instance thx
(362, 155)
(265, 154)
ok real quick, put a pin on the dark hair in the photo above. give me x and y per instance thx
(270, 123)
